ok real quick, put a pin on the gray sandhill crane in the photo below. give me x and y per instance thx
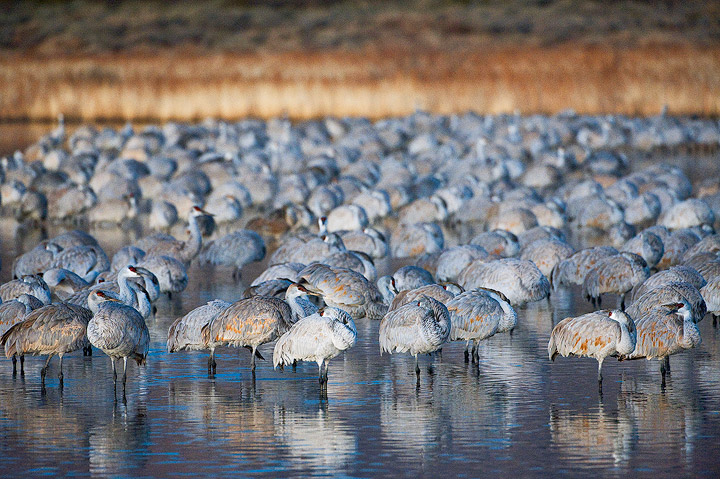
(435, 291)
(479, 314)
(574, 269)
(318, 338)
(664, 332)
(597, 335)
(616, 274)
(235, 249)
(711, 294)
(519, 280)
(412, 277)
(85, 261)
(185, 333)
(499, 242)
(344, 289)
(118, 330)
(57, 328)
(547, 253)
(353, 260)
(453, 260)
(171, 273)
(673, 274)
(420, 327)
(707, 264)
(674, 292)
(283, 270)
(249, 323)
(183, 251)
(648, 245)
(13, 312)
(63, 282)
(30, 284)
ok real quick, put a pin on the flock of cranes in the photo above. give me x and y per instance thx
(533, 204)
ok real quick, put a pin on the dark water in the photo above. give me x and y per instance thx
(515, 414)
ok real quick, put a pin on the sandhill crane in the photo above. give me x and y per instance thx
(418, 328)
(185, 333)
(85, 261)
(435, 291)
(63, 282)
(674, 292)
(31, 284)
(118, 330)
(183, 251)
(478, 314)
(412, 277)
(249, 323)
(519, 280)
(453, 260)
(284, 270)
(597, 335)
(125, 256)
(171, 273)
(499, 242)
(353, 260)
(319, 338)
(574, 269)
(616, 274)
(671, 275)
(547, 253)
(37, 260)
(711, 294)
(369, 241)
(13, 312)
(57, 328)
(648, 245)
(416, 239)
(235, 249)
(665, 331)
(344, 289)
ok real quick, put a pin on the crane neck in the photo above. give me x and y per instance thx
(627, 340)
(194, 243)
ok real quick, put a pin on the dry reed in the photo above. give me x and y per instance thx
(589, 79)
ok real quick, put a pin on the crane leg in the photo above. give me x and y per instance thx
(60, 375)
(467, 353)
(475, 352)
(663, 371)
(666, 361)
(599, 301)
(43, 371)
(417, 368)
(252, 361)
(211, 362)
(22, 364)
(14, 360)
(124, 372)
(600, 375)
(325, 378)
(715, 320)
(112, 361)
(320, 373)
(294, 366)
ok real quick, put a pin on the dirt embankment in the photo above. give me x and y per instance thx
(232, 59)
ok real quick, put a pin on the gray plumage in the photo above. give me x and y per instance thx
(185, 333)
(57, 328)
(434, 291)
(344, 289)
(674, 274)
(171, 273)
(32, 284)
(574, 269)
(249, 323)
(519, 280)
(417, 328)
(547, 253)
(616, 274)
(235, 249)
(318, 338)
(675, 292)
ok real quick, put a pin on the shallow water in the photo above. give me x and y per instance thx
(516, 412)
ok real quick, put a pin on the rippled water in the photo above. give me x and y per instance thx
(516, 412)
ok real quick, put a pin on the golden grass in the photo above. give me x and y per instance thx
(589, 79)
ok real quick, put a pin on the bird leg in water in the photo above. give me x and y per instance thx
(600, 361)
(60, 375)
(475, 353)
(294, 366)
(252, 361)
(14, 360)
(666, 362)
(43, 371)
(22, 364)
(467, 353)
(124, 373)
(417, 368)
(112, 361)
(211, 362)
(715, 320)
(663, 371)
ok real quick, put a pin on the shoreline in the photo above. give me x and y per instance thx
(173, 85)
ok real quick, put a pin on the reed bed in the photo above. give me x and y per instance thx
(173, 86)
